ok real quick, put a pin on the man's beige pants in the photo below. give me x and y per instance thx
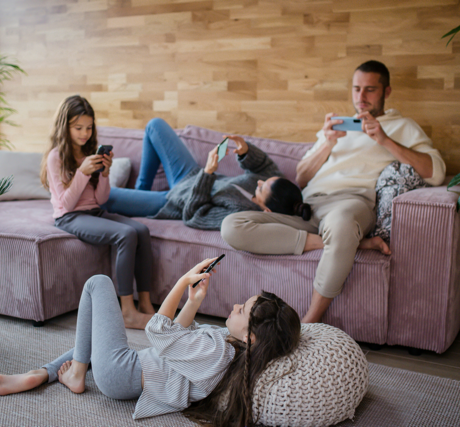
(341, 219)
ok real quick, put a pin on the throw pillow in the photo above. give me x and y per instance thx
(394, 180)
(119, 172)
(25, 167)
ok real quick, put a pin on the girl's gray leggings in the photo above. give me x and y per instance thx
(129, 238)
(101, 339)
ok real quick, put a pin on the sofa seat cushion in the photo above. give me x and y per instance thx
(360, 310)
(320, 384)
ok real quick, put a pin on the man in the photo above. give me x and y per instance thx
(338, 177)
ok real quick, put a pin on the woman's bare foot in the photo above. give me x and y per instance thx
(10, 384)
(136, 320)
(72, 374)
(376, 243)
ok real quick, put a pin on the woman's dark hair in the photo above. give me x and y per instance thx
(378, 68)
(286, 198)
(276, 328)
(71, 109)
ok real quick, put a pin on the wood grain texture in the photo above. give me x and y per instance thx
(262, 67)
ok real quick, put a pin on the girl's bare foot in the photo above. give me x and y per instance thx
(145, 305)
(136, 320)
(10, 384)
(376, 243)
(72, 375)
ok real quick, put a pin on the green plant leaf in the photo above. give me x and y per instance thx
(454, 181)
(6, 184)
(451, 33)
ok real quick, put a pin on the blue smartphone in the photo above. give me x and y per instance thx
(222, 149)
(349, 123)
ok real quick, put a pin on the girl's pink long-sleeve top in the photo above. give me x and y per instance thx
(79, 195)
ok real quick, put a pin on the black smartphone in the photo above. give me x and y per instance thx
(103, 149)
(211, 266)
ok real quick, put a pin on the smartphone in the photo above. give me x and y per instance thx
(222, 149)
(103, 149)
(349, 123)
(211, 266)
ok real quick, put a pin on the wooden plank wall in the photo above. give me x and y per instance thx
(261, 67)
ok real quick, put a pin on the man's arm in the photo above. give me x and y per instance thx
(308, 167)
(421, 162)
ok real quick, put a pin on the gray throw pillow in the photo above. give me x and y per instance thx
(394, 180)
(25, 168)
(119, 172)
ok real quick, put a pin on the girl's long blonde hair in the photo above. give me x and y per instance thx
(69, 110)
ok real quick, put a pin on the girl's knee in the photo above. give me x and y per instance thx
(97, 280)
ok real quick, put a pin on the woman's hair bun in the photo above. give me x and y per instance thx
(303, 210)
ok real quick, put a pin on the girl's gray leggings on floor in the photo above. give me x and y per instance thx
(130, 238)
(101, 339)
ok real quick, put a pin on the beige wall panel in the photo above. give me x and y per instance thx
(262, 67)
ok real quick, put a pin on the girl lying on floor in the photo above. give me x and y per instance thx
(187, 362)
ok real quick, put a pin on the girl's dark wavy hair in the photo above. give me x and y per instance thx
(68, 111)
(276, 328)
(286, 198)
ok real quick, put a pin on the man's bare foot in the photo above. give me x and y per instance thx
(376, 243)
(136, 320)
(10, 384)
(72, 374)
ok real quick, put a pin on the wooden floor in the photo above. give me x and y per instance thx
(445, 365)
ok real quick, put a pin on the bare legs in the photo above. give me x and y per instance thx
(133, 318)
(10, 384)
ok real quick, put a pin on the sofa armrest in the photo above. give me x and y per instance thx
(425, 269)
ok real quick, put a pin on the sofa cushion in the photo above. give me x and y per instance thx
(25, 167)
(201, 140)
(119, 172)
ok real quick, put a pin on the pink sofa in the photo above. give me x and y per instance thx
(411, 298)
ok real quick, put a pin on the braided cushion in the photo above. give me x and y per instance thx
(320, 384)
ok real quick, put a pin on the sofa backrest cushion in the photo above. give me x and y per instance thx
(128, 143)
(25, 168)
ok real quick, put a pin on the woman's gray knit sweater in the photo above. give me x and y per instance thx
(202, 200)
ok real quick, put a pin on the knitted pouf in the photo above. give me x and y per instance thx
(320, 384)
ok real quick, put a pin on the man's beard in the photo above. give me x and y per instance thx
(378, 110)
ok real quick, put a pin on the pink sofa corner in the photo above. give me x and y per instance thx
(411, 298)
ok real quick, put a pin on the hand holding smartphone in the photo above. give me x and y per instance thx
(222, 149)
(103, 149)
(209, 269)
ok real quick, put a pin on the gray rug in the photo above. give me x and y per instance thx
(395, 397)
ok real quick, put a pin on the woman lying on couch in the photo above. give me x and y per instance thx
(198, 196)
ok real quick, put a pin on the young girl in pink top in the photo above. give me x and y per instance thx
(70, 171)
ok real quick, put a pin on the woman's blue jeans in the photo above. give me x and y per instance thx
(161, 146)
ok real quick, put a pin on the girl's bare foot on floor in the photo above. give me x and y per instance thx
(145, 305)
(10, 384)
(136, 320)
(72, 375)
(376, 243)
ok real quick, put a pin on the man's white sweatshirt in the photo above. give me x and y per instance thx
(356, 161)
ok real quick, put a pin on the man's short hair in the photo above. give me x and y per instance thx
(378, 68)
